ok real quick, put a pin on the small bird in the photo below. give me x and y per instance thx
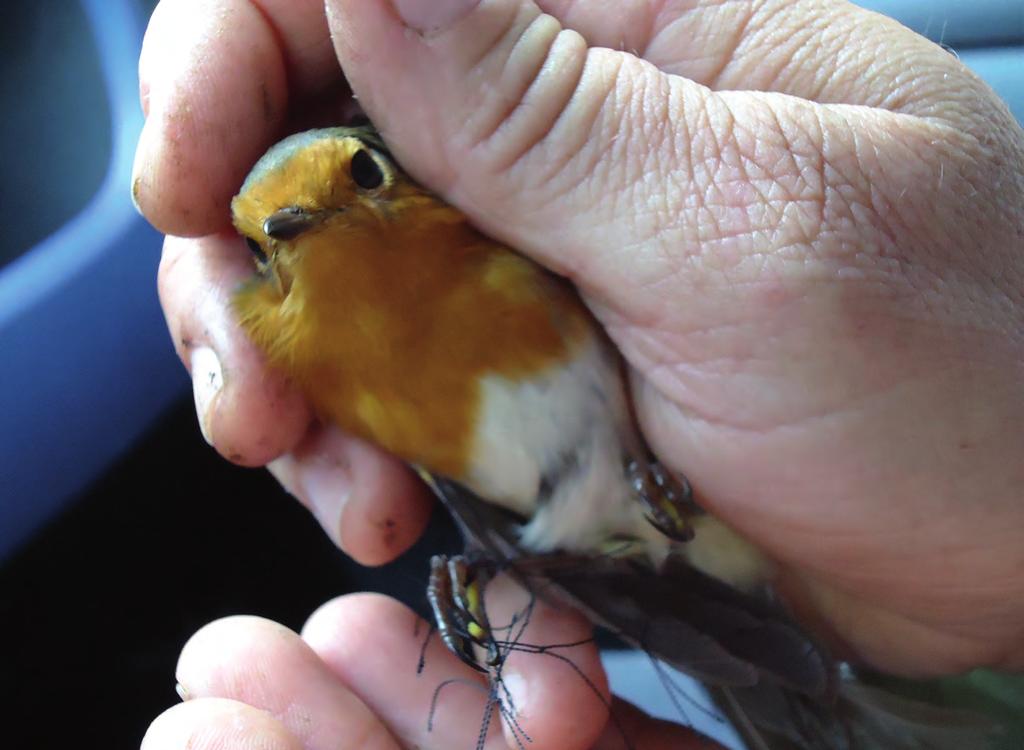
(408, 327)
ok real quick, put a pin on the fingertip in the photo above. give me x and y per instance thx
(374, 644)
(369, 502)
(366, 638)
(351, 615)
(217, 724)
(208, 121)
(389, 509)
(223, 647)
(259, 414)
(271, 668)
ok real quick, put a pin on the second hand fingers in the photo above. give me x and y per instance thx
(268, 667)
(373, 644)
(556, 698)
(218, 724)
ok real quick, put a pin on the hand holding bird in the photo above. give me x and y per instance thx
(791, 303)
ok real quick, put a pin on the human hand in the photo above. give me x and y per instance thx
(349, 681)
(820, 303)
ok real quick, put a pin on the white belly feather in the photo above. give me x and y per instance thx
(568, 427)
(571, 427)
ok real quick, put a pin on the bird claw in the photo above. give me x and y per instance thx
(667, 499)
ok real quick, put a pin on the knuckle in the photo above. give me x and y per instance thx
(539, 72)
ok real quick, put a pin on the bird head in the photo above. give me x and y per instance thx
(339, 177)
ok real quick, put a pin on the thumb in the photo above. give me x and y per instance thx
(503, 111)
(597, 163)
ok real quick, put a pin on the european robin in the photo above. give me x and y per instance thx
(406, 326)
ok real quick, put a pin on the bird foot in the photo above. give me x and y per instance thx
(667, 499)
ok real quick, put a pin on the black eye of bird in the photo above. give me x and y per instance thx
(366, 173)
(256, 250)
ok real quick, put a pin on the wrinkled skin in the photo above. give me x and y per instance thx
(821, 304)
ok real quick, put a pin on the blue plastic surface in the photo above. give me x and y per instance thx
(1003, 69)
(958, 23)
(634, 677)
(87, 363)
(50, 73)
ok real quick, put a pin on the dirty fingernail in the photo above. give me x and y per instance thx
(136, 192)
(181, 691)
(433, 15)
(207, 382)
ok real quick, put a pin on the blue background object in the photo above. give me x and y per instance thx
(958, 23)
(86, 363)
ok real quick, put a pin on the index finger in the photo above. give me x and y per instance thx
(218, 82)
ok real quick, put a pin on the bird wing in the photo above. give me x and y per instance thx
(778, 685)
(677, 614)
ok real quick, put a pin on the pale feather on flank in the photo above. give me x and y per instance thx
(553, 427)
(564, 428)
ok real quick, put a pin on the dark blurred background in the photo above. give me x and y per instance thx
(121, 531)
(95, 608)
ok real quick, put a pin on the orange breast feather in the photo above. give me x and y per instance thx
(391, 324)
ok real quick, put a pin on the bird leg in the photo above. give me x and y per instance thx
(456, 595)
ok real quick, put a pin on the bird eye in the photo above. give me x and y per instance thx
(255, 249)
(366, 173)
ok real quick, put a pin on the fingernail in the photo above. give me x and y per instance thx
(136, 190)
(207, 382)
(283, 470)
(181, 691)
(324, 487)
(432, 15)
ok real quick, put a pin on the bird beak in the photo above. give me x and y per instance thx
(289, 223)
